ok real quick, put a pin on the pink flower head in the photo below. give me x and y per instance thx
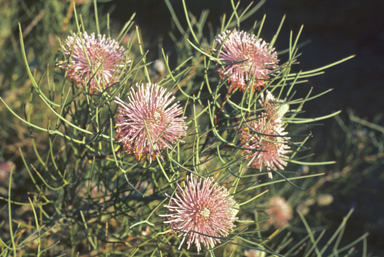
(147, 116)
(203, 211)
(269, 141)
(5, 169)
(245, 57)
(106, 60)
(279, 211)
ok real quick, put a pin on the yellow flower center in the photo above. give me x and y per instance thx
(98, 59)
(205, 213)
(157, 116)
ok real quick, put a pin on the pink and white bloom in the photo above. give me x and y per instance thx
(5, 169)
(279, 211)
(107, 59)
(149, 116)
(245, 56)
(203, 211)
(269, 141)
(265, 134)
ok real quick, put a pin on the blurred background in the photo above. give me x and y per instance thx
(335, 29)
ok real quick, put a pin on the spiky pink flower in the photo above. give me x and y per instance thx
(279, 211)
(245, 56)
(269, 142)
(148, 117)
(106, 60)
(203, 211)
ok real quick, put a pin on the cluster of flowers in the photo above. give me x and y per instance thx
(150, 122)
(248, 63)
